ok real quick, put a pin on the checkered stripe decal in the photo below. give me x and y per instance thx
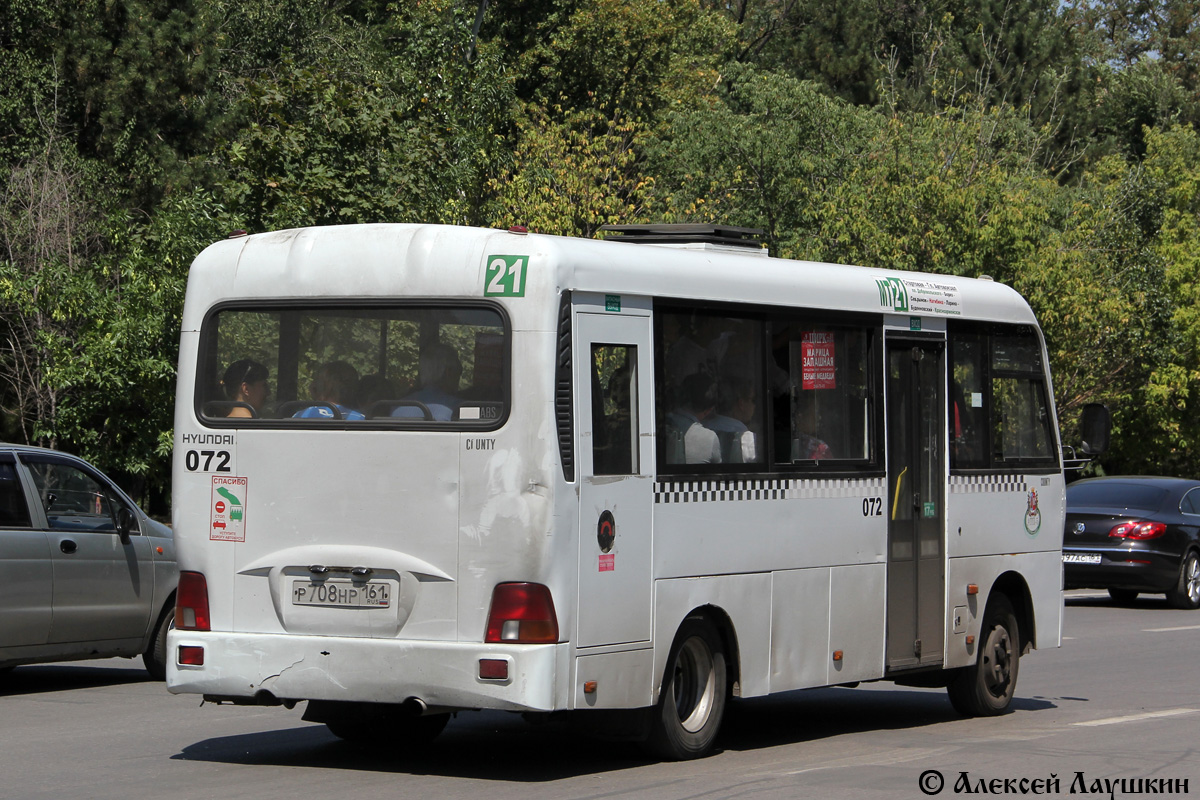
(977, 484)
(701, 491)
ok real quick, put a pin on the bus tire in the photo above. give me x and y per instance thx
(986, 688)
(690, 706)
(155, 657)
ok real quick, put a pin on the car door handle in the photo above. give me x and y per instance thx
(68, 546)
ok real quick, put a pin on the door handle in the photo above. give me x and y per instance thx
(68, 546)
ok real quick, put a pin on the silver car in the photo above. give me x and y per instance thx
(84, 573)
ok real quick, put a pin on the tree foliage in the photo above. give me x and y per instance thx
(1048, 145)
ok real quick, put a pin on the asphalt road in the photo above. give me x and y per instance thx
(1118, 701)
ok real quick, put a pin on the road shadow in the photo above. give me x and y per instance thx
(39, 678)
(1143, 601)
(797, 717)
(505, 747)
(492, 746)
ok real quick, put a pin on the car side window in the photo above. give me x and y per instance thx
(74, 499)
(1190, 504)
(14, 510)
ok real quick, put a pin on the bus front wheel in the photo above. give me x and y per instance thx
(692, 701)
(986, 688)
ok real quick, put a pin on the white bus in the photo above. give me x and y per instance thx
(422, 469)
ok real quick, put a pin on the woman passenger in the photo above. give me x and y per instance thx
(246, 382)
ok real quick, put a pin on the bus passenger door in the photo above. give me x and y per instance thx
(916, 605)
(613, 414)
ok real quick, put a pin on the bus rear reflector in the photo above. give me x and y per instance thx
(191, 655)
(191, 602)
(493, 669)
(522, 613)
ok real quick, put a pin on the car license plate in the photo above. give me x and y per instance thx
(1081, 558)
(341, 593)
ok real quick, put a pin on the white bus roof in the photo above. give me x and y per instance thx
(442, 261)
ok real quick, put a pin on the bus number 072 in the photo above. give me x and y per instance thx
(191, 460)
(872, 507)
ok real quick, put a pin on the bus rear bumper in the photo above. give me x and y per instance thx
(271, 668)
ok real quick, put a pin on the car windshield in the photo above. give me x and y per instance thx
(1107, 494)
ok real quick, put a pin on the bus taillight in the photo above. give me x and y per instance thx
(522, 613)
(191, 602)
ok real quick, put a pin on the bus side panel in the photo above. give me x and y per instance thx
(806, 522)
(740, 597)
(857, 613)
(799, 629)
(1042, 574)
(851, 600)
(191, 493)
(623, 679)
(1005, 514)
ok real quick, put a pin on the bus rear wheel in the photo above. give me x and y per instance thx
(692, 701)
(986, 688)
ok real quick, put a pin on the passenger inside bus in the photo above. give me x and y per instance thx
(440, 373)
(333, 387)
(688, 441)
(245, 382)
(375, 389)
(805, 445)
(736, 399)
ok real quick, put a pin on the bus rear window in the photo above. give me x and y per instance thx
(396, 366)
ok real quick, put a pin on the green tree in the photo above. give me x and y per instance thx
(764, 154)
(402, 130)
(135, 78)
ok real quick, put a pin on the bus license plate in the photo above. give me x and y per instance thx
(1081, 558)
(341, 593)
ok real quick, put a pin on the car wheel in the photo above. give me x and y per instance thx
(1123, 596)
(692, 701)
(155, 657)
(986, 688)
(1186, 593)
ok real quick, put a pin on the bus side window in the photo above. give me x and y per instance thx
(966, 415)
(822, 409)
(1022, 419)
(614, 409)
(998, 413)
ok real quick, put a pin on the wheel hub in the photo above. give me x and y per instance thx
(694, 684)
(997, 658)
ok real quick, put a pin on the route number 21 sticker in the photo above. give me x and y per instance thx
(228, 507)
(505, 276)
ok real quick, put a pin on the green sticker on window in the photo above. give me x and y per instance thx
(914, 323)
(612, 302)
(505, 276)
(930, 510)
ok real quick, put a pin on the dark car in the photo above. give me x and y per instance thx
(1134, 534)
(84, 573)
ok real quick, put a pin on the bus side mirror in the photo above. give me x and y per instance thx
(1095, 424)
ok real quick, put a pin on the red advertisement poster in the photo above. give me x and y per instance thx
(817, 351)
